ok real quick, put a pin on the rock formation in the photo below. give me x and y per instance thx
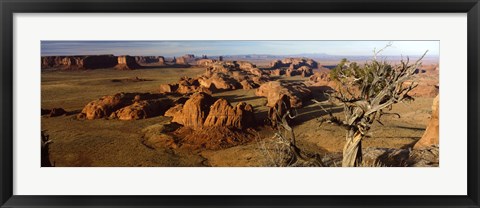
(186, 85)
(223, 114)
(156, 60)
(431, 135)
(194, 111)
(305, 71)
(321, 83)
(274, 90)
(205, 62)
(188, 57)
(202, 110)
(106, 105)
(219, 81)
(142, 109)
(281, 107)
(78, 62)
(168, 88)
(181, 60)
(127, 63)
(230, 75)
(295, 63)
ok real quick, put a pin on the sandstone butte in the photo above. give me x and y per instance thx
(431, 135)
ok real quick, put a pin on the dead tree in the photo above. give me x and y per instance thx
(365, 92)
(285, 138)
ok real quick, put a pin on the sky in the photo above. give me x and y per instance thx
(234, 47)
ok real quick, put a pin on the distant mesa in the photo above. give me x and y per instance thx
(294, 63)
(219, 76)
(127, 63)
(145, 60)
(181, 61)
(293, 66)
(85, 62)
(79, 62)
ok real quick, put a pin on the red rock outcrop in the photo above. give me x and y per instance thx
(321, 82)
(223, 114)
(305, 71)
(294, 63)
(230, 75)
(186, 85)
(274, 90)
(188, 57)
(281, 107)
(194, 111)
(219, 81)
(173, 111)
(431, 135)
(202, 110)
(277, 72)
(181, 61)
(78, 62)
(205, 62)
(156, 60)
(127, 63)
(168, 88)
(142, 109)
(106, 105)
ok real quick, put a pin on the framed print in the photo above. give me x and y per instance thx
(242, 104)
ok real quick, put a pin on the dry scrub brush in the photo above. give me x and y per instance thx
(281, 150)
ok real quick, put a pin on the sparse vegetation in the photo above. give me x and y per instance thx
(366, 92)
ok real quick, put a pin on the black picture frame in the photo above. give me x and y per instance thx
(9, 7)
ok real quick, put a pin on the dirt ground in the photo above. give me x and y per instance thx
(108, 143)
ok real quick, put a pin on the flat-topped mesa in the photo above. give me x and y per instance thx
(127, 63)
(189, 57)
(78, 62)
(156, 60)
(181, 61)
(294, 63)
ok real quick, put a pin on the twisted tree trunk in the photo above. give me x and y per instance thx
(352, 151)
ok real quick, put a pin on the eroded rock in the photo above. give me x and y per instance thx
(194, 111)
(274, 90)
(223, 114)
(431, 135)
(143, 109)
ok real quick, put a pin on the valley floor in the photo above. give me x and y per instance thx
(108, 143)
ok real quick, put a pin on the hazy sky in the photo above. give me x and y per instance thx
(227, 47)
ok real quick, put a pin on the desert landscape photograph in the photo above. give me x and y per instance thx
(238, 103)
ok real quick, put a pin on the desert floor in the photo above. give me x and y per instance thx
(104, 142)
